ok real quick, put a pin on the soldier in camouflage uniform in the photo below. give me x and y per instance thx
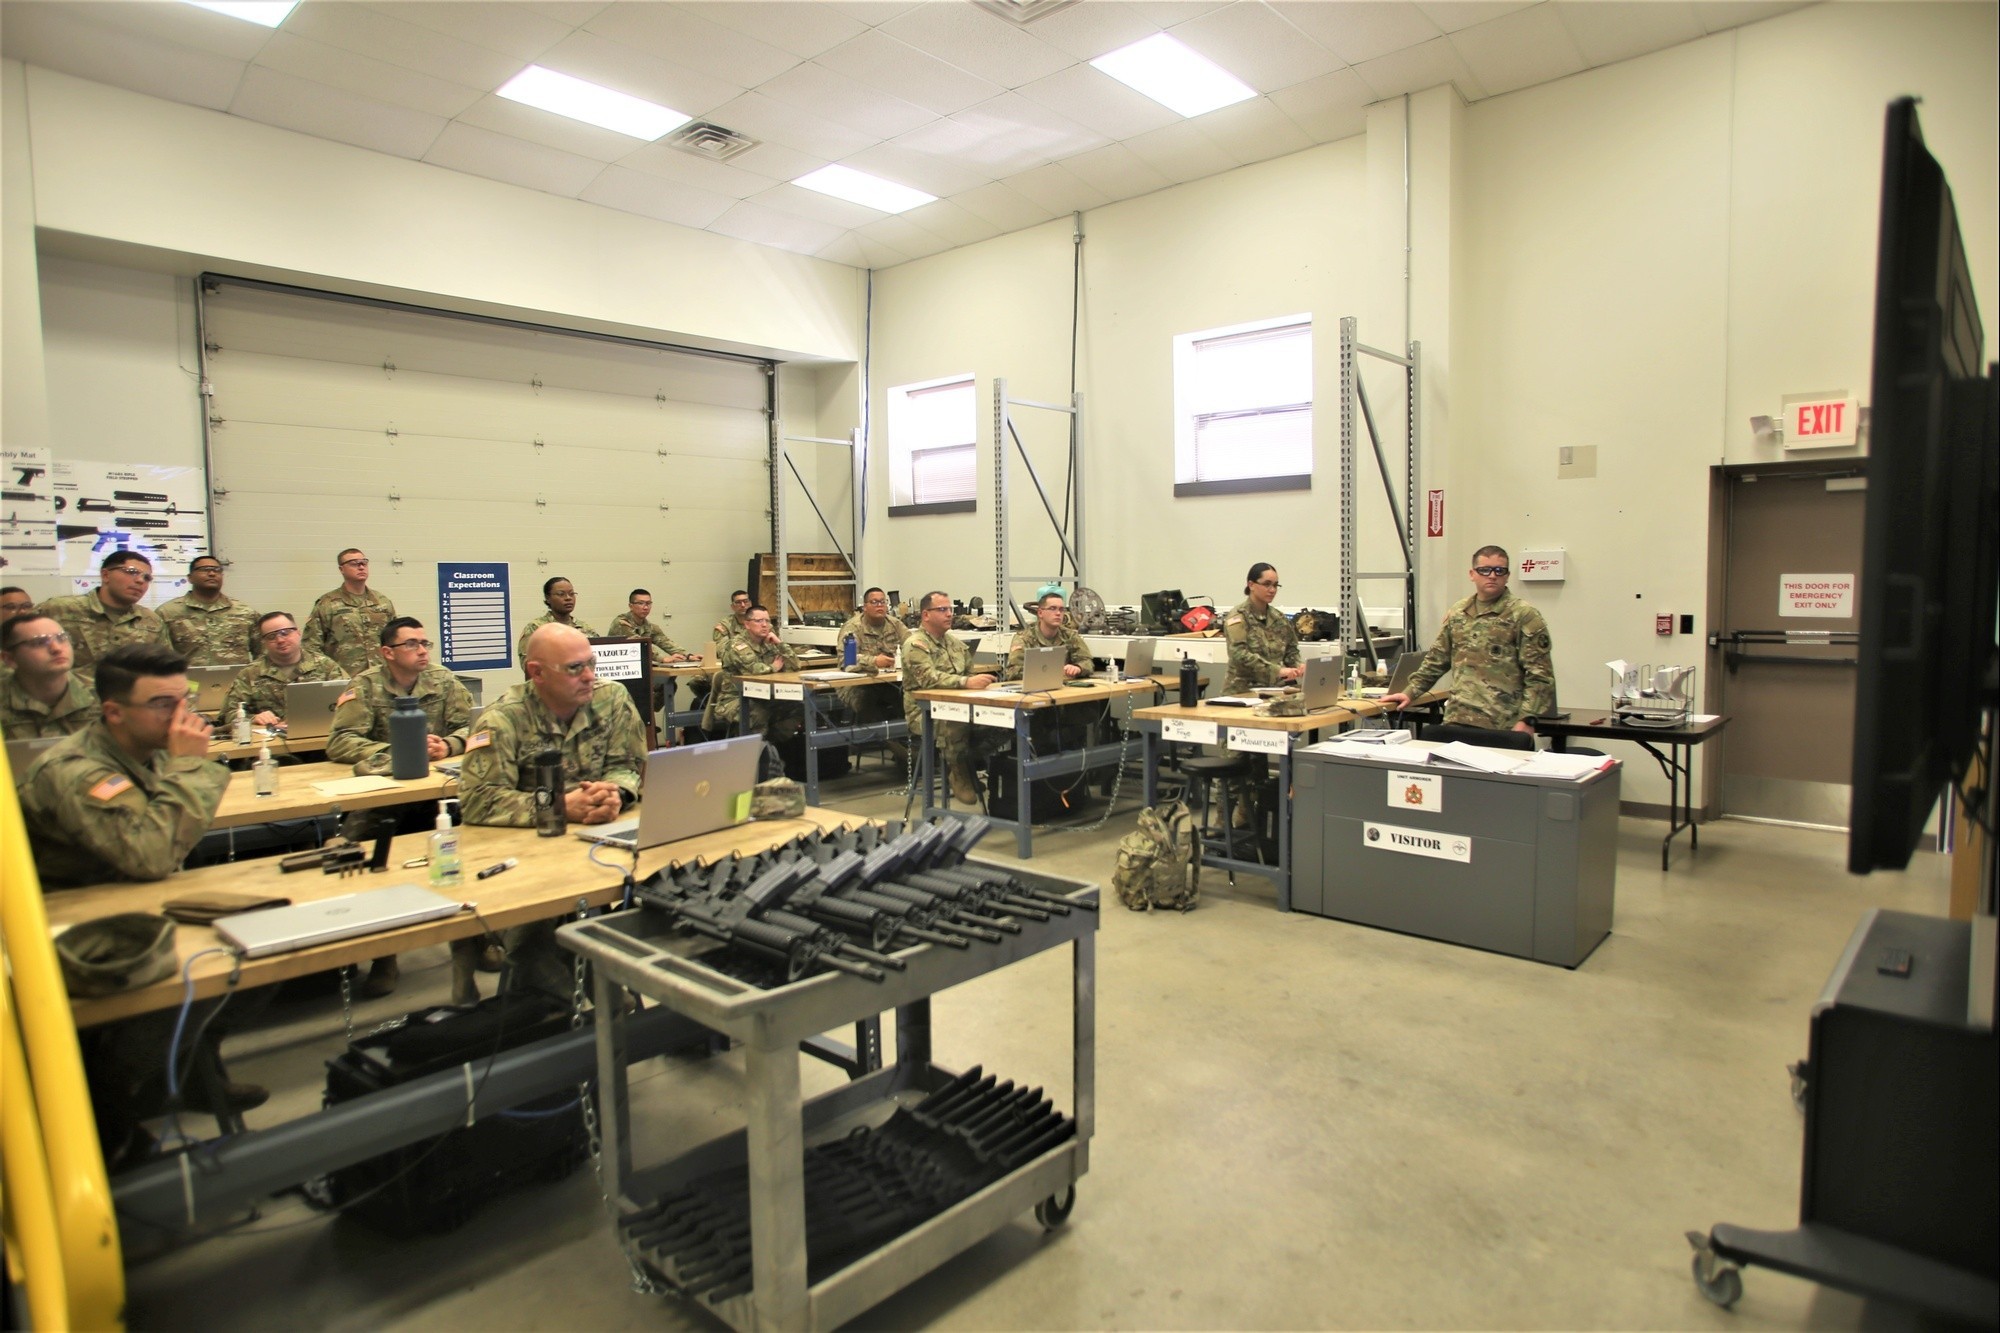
(562, 706)
(934, 660)
(635, 623)
(346, 624)
(207, 628)
(757, 651)
(41, 695)
(739, 607)
(360, 731)
(878, 642)
(1263, 646)
(110, 616)
(260, 690)
(559, 595)
(14, 601)
(1049, 631)
(1497, 648)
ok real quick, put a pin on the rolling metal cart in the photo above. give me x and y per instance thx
(641, 950)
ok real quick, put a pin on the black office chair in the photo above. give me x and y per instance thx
(1446, 732)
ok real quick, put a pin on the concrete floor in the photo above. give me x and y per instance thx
(1301, 1124)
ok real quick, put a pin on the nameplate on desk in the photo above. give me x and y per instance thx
(756, 689)
(1416, 842)
(784, 691)
(946, 710)
(983, 716)
(1415, 791)
(1257, 740)
(1181, 729)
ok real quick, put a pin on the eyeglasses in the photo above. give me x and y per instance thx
(204, 569)
(273, 635)
(1490, 571)
(1272, 584)
(353, 562)
(132, 571)
(39, 641)
(412, 643)
(166, 703)
(572, 668)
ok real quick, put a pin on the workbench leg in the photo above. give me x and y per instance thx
(1083, 1037)
(777, 1185)
(927, 762)
(808, 708)
(1024, 806)
(913, 1033)
(1152, 767)
(1284, 828)
(613, 1105)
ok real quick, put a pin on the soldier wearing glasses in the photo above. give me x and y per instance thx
(110, 616)
(261, 688)
(42, 695)
(1263, 646)
(361, 720)
(207, 628)
(346, 624)
(1497, 648)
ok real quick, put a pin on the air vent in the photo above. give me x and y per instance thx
(1020, 13)
(710, 141)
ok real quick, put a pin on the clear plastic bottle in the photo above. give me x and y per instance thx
(265, 772)
(239, 726)
(447, 867)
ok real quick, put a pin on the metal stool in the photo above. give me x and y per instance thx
(1236, 773)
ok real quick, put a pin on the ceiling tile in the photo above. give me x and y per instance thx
(1253, 131)
(1358, 30)
(979, 42)
(1094, 99)
(777, 162)
(586, 55)
(1332, 106)
(799, 202)
(899, 233)
(761, 117)
(511, 29)
(1116, 172)
(656, 197)
(1005, 208)
(1258, 47)
(676, 33)
(515, 161)
(894, 67)
(548, 129)
(844, 249)
(365, 76)
(1006, 135)
(803, 27)
(181, 25)
(1452, 15)
(1611, 30)
(872, 12)
(1056, 189)
(657, 159)
(953, 222)
(923, 171)
(1181, 152)
(1717, 15)
(876, 254)
(766, 226)
(1518, 51)
(1167, 13)
(575, 13)
(814, 88)
(1088, 31)
(293, 103)
(374, 33)
(72, 44)
(1415, 68)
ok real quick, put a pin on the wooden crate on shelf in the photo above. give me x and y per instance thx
(805, 572)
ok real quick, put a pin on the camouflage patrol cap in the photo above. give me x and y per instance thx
(778, 798)
(114, 953)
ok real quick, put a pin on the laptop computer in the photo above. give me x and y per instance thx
(1400, 671)
(686, 791)
(1138, 659)
(1042, 669)
(302, 925)
(309, 706)
(209, 685)
(1322, 684)
(21, 753)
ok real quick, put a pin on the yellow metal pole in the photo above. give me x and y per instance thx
(30, 1205)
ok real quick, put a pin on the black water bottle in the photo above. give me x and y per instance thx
(409, 739)
(551, 815)
(1190, 683)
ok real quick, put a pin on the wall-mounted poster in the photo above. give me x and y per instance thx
(27, 513)
(160, 512)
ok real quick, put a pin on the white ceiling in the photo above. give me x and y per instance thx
(1009, 126)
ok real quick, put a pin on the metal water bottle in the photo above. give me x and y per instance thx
(850, 652)
(551, 815)
(409, 734)
(1190, 683)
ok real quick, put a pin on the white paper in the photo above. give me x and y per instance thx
(1576, 767)
(832, 675)
(946, 710)
(28, 516)
(1259, 740)
(982, 716)
(1415, 791)
(1183, 729)
(756, 689)
(336, 788)
(788, 690)
(1346, 749)
(1482, 757)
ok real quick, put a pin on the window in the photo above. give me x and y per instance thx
(1243, 408)
(933, 450)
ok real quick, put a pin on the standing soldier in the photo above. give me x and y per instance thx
(1497, 649)
(559, 596)
(1049, 631)
(43, 696)
(260, 690)
(207, 628)
(757, 651)
(934, 660)
(109, 616)
(346, 624)
(1263, 646)
(878, 642)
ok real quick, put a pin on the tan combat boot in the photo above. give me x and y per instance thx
(964, 784)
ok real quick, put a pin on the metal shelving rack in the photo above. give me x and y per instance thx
(1069, 536)
(1403, 510)
(640, 950)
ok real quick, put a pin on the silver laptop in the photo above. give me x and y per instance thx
(209, 685)
(302, 925)
(687, 791)
(1042, 669)
(1321, 685)
(1406, 666)
(21, 753)
(1139, 659)
(309, 706)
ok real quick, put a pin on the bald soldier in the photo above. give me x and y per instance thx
(109, 615)
(41, 695)
(346, 624)
(207, 628)
(1497, 648)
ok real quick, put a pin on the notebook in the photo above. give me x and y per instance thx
(309, 706)
(302, 925)
(686, 791)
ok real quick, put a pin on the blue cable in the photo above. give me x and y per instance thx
(180, 1020)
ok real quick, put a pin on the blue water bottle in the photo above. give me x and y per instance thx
(850, 652)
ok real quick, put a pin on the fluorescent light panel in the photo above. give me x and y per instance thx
(264, 13)
(1174, 75)
(591, 103)
(858, 187)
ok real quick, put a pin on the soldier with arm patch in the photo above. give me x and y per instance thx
(1497, 648)
(110, 616)
(559, 596)
(878, 645)
(207, 628)
(346, 624)
(1263, 646)
(757, 651)
(1050, 631)
(934, 660)
(360, 731)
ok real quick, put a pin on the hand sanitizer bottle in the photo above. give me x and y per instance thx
(239, 726)
(266, 772)
(447, 869)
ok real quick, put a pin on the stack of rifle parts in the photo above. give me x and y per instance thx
(862, 1190)
(843, 901)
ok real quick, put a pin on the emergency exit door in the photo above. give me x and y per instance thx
(1785, 658)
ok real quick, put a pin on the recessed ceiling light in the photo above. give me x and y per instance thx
(267, 13)
(858, 187)
(1174, 75)
(591, 103)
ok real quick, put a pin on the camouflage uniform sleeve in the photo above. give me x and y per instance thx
(788, 658)
(351, 739)
(926, 667)
(1538, 674)
(457, 715)
(317, 632)
(239, 693)
(521, 644)
(1079, 651)
(625, 754)
(1017, 657)
(486, 789)
(1292, 657)
(182, 633)
(1245, 662)
(139, 836)
(1436, 662)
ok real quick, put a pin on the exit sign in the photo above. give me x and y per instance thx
(1820, 421)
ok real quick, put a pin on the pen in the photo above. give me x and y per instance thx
(498, 867)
